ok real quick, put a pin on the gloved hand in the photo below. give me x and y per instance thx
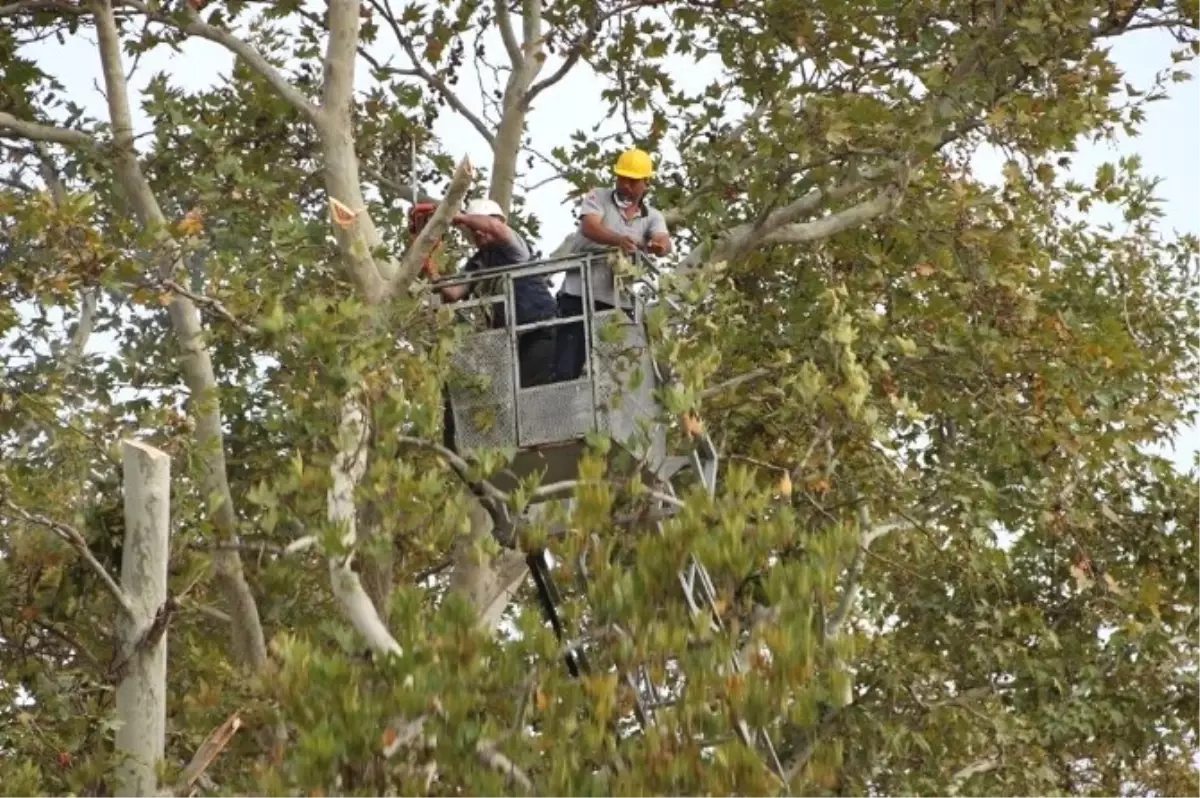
(418, 216)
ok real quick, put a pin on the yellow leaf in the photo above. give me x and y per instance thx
(192, 224)
(691, 424)
(1112, 585)
(924, 269)
(541, 700)
(785, 484)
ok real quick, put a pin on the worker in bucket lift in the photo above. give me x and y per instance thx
(499, 245)
(621, 217)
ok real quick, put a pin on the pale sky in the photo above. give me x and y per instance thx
(1167, 143)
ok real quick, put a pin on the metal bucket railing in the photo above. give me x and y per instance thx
(558, 412)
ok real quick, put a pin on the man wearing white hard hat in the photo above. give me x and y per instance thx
(500, 245)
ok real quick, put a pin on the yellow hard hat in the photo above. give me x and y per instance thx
(634, 164)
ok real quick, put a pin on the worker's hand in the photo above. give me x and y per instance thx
(656, 247)
(459, 219)
(628, 245)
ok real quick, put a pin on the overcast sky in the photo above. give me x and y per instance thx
(1167, 144)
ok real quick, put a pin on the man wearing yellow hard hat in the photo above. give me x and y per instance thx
(619, 216)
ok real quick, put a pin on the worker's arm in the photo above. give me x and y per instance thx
(592, 227)
(450, 293)
(658, 237)
(453, 293)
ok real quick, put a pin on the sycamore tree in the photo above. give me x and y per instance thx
(942, 541)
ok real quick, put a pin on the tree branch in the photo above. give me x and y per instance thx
(357, 239)
(483, 488)
(207, 752)
(492, 757)
(734, 382)
(337, 94)
(778, 229)
(72, 537)
(242, 49)
(35, 131)
(504, 22)
(974, 769)
(867, 535)
(214, 305)
(595, 22)
(435, 228)
(195, 359)
(349, 465)
(575, 53)
(801, 232)
(31, 6)
(383, 7)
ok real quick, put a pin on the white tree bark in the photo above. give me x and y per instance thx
(142, 693)
(248, 642)
(349, 465)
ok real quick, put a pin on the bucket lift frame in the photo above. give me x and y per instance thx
(548, 425)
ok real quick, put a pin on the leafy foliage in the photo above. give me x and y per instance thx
(942, 542)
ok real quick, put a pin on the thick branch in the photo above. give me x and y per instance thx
(349, 465)
(31, 6)
(337, 94)
(72, 537)
(435, 228)
(34, 131)
(196, 362)
(868, 534)
(504, 22)
(358, 239)
(141, 700)
(511, 129)
(797, 233)
(242, 49)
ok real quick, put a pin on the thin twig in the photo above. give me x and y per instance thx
(72, 537)
(493, 758)
(213, 304)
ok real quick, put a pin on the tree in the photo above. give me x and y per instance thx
(940, 540)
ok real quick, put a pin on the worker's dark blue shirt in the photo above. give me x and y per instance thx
(531, 294)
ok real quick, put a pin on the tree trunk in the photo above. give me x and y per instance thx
(488, 583)
(142, 693)
(508, 150)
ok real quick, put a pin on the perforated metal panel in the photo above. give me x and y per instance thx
(484, 417)
(559, 414)
(625, 384)
(554, 413)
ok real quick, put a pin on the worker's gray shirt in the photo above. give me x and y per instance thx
(640, 228)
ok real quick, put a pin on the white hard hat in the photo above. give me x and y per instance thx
(484, 207)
